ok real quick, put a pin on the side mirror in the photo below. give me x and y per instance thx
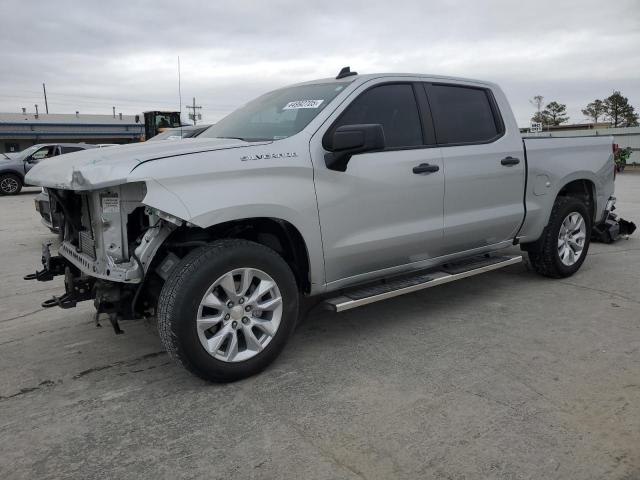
(349, 140)
(30, 159)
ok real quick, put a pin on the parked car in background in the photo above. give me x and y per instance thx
(14, 166)
(180, 133)
(42, 199)
(358, 188)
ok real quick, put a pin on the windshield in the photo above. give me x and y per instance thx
(166, 120)
(276, 115)
(28, 151)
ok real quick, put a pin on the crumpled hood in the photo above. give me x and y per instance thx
(104, 167)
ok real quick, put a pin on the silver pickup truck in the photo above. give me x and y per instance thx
(353, 189)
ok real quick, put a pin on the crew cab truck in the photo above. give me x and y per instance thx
(355, 188)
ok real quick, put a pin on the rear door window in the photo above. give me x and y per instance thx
(463, 115)
(394, 107)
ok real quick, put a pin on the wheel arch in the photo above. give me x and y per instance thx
(583, 188)
(13, 172)
(278, 234)
(578, 186)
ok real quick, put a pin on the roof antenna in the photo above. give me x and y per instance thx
(180, 96)
(345, 72)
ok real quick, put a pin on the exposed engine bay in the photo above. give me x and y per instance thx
(108, 241)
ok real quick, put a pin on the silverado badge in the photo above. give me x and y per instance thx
(267, 156)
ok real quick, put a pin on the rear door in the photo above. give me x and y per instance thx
(484, 168)
(379, 213)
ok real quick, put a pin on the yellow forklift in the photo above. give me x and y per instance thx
(159, 121)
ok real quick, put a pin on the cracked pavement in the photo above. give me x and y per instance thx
(506, 375)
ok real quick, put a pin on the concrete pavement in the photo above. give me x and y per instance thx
(507, 376)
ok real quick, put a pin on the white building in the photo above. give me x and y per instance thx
(21, 130)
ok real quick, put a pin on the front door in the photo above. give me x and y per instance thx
(378, 214)
(485, 170)
(40, 154)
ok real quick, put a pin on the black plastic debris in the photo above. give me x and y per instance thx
(611, 228)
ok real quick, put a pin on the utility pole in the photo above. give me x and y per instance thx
(46, 105)
(195, 109)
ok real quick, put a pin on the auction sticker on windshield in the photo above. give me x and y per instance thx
(302, 104)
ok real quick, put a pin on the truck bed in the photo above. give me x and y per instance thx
(552, 163)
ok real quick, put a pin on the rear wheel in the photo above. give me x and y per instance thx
(228, 309)
(566, 239)
(10, 184)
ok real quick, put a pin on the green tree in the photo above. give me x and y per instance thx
(540, 117)
(619, 112)
(594, 110)
(555, 113)
(537, 101)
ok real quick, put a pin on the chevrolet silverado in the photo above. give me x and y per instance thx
(353, 189)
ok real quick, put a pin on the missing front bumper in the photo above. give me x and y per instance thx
(78, 288)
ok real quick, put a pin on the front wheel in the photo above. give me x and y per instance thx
(566, 239)
(228, 309)
(10, 184)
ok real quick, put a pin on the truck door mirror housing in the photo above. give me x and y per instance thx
(349, 140)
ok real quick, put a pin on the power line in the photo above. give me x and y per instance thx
(35, 94)
(195, 115)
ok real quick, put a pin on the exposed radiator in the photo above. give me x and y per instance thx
(87, 244)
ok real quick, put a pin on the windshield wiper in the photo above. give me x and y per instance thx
(6, 155)
(249, 139)
(233, 138)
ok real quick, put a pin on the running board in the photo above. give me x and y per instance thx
(449, 272)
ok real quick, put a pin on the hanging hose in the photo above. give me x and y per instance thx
(140, 285)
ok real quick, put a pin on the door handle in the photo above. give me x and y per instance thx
(508, 161)
(425, 168)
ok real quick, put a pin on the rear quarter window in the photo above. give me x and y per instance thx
(463, 114)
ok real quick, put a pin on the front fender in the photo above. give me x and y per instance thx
(282, 189)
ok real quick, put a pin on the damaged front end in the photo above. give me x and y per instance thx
(108, 240)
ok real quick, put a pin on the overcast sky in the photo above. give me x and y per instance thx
(96, 54)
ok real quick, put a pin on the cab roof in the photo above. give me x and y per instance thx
(361, 78)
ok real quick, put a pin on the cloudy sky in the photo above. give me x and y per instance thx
(95, 54)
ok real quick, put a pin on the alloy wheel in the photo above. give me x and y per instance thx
(9, 185)
(571, 238)
(239, 315)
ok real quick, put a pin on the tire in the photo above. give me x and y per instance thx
(10, 184)
(183, 315)
(547, 259)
